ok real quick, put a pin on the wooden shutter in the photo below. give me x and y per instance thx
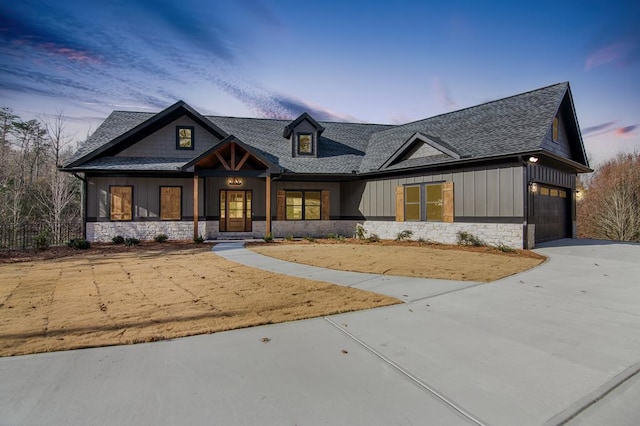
(281, 199)
(399, 204)
(324, 209)
(170, 203)
(447, 202)
(121, 202)
(223, 211)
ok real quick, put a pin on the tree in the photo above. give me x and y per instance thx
(58, 193)
(610, 208)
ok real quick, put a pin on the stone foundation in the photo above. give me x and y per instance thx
(105, 231)
(509, 234)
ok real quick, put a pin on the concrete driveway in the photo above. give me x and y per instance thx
(556, 344)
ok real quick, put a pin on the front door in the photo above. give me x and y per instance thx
(235, 211)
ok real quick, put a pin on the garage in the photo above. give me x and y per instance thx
(551, 213)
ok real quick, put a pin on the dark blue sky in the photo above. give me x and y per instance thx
(385, 62)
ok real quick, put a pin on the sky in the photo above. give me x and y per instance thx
(358, 61)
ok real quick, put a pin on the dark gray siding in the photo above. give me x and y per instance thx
(163, 142)
(561, 146)
(481, 192)
(146, 196)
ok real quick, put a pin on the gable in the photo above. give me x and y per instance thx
(569, 142)
(421, 148)
(162, 142)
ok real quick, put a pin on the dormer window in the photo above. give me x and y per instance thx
(184, 137)
(305, 143)
(555, 129)
(303, 134)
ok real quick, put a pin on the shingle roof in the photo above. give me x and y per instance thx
(116, 124)
(506, 126)
(513, 125)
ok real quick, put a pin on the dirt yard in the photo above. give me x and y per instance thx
(411, 259)
(110, 295)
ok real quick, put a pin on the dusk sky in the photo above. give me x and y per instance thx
(364, 61)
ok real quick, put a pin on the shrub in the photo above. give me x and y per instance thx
(404, 235)
(41, 241)
(289, 237)
(336, 237)
(468, 239)
(118, 239)
(199, 239)
(79, 244)
(360, 232)
(373, 238)
(310, 239)
(160, 238)
(268, 238)
(131, 241)
(505, 248)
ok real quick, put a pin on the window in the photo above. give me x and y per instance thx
(305, 143)
(170, 202)
(555, 129)
(435, 207)
(434, 202)
(412, 203)
(184, 137)
(303, 205)
(121, 202)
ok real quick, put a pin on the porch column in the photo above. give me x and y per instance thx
(195, 205)
(268, 204)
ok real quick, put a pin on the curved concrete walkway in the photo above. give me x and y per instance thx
(556, 344)
(407, 289)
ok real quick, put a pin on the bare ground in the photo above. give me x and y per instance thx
(63, 299)
(408, 258)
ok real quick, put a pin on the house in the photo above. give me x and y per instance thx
(504, 171)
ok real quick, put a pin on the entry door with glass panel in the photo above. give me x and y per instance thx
(235, 211)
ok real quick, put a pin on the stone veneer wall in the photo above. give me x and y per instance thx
(509, 234)
(312, 228)
(105, 231)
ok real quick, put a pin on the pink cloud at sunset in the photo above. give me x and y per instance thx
(606, 54)
(626, 131)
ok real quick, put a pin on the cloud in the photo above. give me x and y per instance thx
(21, 31)
(626, 131)
(598, 128)
(615, 52)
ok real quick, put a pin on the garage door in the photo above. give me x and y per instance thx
(551, 213)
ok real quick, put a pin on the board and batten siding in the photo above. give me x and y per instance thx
(485, 193)
(162, 143)
(146, 196)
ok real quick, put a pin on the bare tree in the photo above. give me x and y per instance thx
(610, 208)
(58, 192)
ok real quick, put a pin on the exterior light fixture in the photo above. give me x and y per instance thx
(579, 194)
(533, 159)
(234, 181)
(534, 187)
